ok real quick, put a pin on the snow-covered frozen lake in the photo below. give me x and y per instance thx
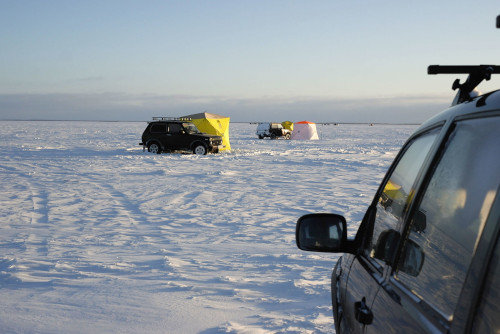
(97, 236)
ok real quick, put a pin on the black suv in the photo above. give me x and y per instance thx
(426, 256)
(166, 134)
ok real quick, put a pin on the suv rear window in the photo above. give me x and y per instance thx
(158, 128)
(455, 206)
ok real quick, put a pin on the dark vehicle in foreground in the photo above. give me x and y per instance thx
(167, 134)
(426, 257)
(272, 130)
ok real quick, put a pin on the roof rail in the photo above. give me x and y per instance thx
(477, 73)
(161, 118)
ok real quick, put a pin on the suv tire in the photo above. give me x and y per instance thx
(199, 149)
(154, 148)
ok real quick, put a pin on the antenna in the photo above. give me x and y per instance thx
(476, 74)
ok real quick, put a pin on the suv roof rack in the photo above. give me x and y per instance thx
(477, 73)
(161, 118)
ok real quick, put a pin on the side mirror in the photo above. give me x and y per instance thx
(412, 258)
(321, 232)
(419, 222)
(386, 245)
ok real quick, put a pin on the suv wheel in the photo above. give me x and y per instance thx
(199, 149)
(154, 148)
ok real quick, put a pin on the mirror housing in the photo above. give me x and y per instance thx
(322, 232)
(386, 246)
(412, 258)
(412, 255)
(419, 223)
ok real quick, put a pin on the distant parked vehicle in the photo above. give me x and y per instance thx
(272, 130)
(167, 134)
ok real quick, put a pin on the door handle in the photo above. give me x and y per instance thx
(362, 313)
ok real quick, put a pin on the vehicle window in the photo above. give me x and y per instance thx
(158, 128)
(487, 318)
(452, 212)
(397, 194)
(174, 128)
(190, 128)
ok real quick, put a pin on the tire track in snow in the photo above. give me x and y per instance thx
(21, 181)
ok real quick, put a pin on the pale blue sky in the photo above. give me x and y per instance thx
(352, 61)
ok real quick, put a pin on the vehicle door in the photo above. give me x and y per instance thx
(446, 222)
(379, 233)
(177, 137)
(277, 129)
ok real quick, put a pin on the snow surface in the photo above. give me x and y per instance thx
(97, 236)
